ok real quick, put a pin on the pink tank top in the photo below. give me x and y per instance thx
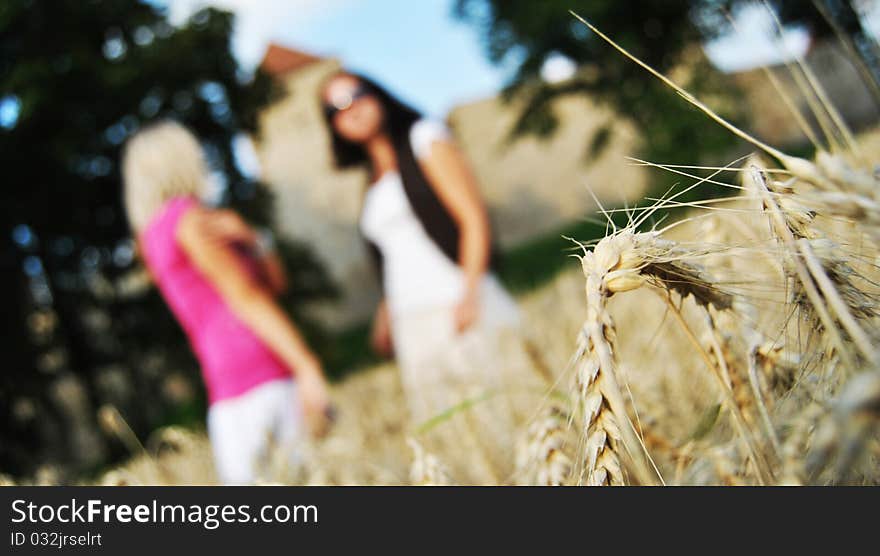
(232, 358)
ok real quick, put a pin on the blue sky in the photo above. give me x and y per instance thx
(418, 50)
(414, 47)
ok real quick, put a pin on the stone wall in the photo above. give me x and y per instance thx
(315, 203)
(535, 185)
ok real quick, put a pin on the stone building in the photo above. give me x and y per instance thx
(535, 185)
(314, 203)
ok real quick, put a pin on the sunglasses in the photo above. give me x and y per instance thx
(344, 102)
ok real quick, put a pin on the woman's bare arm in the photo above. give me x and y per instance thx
(247, 298)
(253, 303)
(380, 334)
(273, 269)
(226, 225)
(450, 176)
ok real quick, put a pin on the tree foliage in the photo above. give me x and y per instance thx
(78, 77)
(660, 32)
(663, 33)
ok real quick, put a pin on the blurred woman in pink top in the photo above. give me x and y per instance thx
(264, 383)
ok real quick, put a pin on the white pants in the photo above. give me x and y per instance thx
(244, 430)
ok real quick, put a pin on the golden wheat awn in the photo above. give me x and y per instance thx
(824, 285)
(612, 267)
(626, 261)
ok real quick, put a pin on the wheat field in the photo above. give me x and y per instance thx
(737, 345)
(724, 371)
(808, 411)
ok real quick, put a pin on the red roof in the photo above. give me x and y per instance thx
(280, 60)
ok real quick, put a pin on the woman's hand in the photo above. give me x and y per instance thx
(380, 336)
(226, 226)
(315, 399)
(467, 311)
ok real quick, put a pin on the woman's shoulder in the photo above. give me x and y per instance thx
(167, 217)
(160, 239)
(425, 132)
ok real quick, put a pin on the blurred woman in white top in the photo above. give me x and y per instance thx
(444, 314)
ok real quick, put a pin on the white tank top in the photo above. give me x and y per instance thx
(417, 274)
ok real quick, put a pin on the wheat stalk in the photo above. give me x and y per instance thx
(426, 469)
(843, 433)
(789, 226)
(543, 460)
(601, 461)
(612, 267)
(115, 424)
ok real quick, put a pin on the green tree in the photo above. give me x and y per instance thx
(78, 77)
(664, 33)
(660, 32)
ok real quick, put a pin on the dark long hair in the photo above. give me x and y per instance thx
(398, 120)
(397, 123)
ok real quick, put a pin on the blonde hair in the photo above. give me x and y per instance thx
(160, 162)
